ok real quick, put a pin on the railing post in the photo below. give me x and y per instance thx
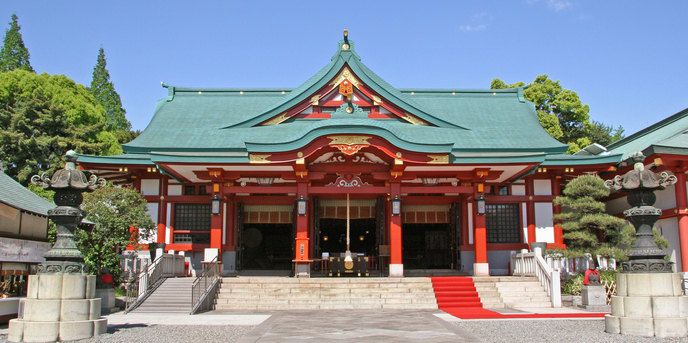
(556, 289)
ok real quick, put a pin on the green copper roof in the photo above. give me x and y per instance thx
(14, 194)
(573, 160)
(216, 121)
(666, 136)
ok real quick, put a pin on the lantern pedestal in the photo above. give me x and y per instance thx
(648, 304)
(58, 307)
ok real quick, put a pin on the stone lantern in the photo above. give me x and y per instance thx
(60, 303)
(649, 300)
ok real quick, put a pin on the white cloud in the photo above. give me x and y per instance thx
(558, 5)
(469, 28)
(479, 22)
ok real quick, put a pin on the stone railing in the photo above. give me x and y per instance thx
(532, 264)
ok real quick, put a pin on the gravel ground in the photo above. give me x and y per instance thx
(516, 331)
(167, 334)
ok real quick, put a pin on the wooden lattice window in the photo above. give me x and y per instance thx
(192, 217)
(503, 223)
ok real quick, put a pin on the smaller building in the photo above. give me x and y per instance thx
(23, 240)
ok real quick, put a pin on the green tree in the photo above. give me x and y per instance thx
(14, 55)
(43, 116)
(114, 210)
(104, 91)
(35, 134)
(583, 216)
(562, 113)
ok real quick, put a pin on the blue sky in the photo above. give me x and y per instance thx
(628, 60)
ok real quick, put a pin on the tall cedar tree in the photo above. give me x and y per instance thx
(583, 216)
(35, 133)
(14, 54)
(104, 92)
(563, 115)
(114, 210)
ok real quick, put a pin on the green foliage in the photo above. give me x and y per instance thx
(14, 55)
(574, 285)
(114, 210)
(80, 107)
(44, 116)
(583, 216)
(104, 92)
(563, 115)
(35, 134)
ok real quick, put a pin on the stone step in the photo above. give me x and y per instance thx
(532, 304)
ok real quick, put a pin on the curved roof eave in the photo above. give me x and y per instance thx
(345, 128)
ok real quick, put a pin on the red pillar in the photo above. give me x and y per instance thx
(396, 267)
(682, 206)
(530, 209)
(216, 227)
(301, 260)
(480, 239)
(162, 212)
(558, 231)
(480, 267)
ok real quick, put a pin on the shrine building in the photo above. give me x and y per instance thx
(420, 179)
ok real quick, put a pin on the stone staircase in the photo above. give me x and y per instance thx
(511, 291)
(172, 296)
(272, 293)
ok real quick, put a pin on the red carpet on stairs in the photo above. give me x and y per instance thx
(457, 296)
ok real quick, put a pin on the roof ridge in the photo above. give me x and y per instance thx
(654, 127)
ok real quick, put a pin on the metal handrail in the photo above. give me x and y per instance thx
(533, 264)
(140, 287)
(205, 287)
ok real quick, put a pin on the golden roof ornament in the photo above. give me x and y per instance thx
(346, 45)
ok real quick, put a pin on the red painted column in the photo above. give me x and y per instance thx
(480, 267)
(682, 207)
(558, 231)
(216, 226)
(301, 259)
(480, 239)
(396, 267)
(162, 211)
(530, 209)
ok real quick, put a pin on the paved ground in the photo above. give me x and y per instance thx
(349, 326)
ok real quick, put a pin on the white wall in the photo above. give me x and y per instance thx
(544, 227)
(669, 229)
(150, 187)
(666, 198)
(518, 190)
(174, 189)
(542, 187)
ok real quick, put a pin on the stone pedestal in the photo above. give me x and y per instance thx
(594, 298)
(107, 300)
(481, 269)
(396, 270)
(648, 304)
(58, 307)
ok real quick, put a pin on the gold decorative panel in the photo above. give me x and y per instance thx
(253, 158)
(439, 159)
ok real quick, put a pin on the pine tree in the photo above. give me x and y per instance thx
(14, 55)
(104, 92)
(584, 216)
